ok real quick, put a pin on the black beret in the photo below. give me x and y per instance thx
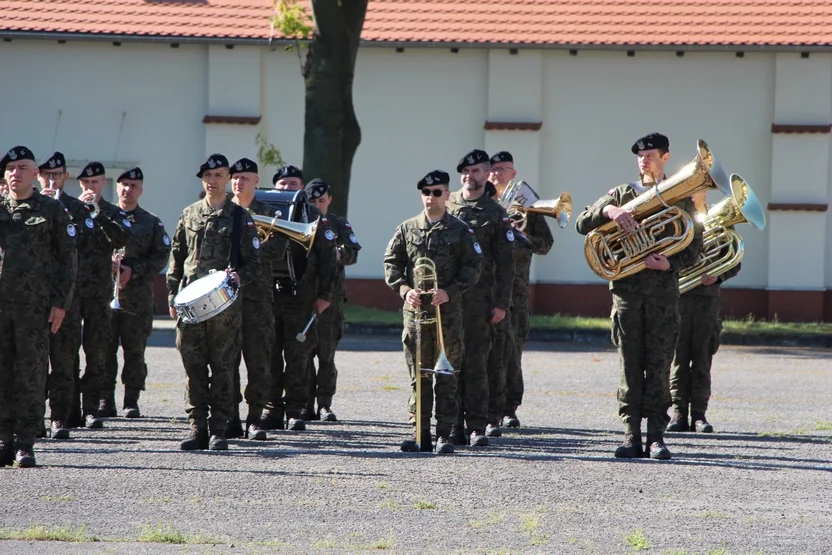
(244, 165)
(436, 177)
(57, 160)
(474, 157)
(16, 153)
(213, 162)
(287, 171)
(650, 142)
(135, 173)
(91, 170)
(316, 188)
(502, 156)
(490, 189)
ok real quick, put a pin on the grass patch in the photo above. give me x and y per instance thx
(743, 326)
(823, 426)
(714, 514)
(383, 485)
(490, 520)
(39, 532)
(328, 543)
(388, 504)
(637, 541)
(390, 388)
(167, 534)
(422, 504)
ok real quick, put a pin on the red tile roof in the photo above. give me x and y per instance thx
(509, 22)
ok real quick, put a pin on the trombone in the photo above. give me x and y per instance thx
(425, 282)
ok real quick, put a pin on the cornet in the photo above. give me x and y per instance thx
(115, 304)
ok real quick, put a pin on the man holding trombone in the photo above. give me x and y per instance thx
(432, 259)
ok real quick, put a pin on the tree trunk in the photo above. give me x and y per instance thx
(332, 133)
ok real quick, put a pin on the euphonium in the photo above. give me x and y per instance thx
(723, 247)
(519, 199)
(663, 228)
(303, 234)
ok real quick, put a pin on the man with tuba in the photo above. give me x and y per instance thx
(645, 316)
(258, 317)
(212, 234)
(436, 239)
(538, 241)
(690, 378)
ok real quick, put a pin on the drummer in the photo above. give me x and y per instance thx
(213, 234)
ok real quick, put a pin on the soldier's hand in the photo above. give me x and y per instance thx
(87, 196)
(497, 315)
(56, 318)
(622, 218)
(116, 264)
(657, 262)
(337, 254)
(708, 280)
(440, 297)
(124, 277)
(172, 312)
(321, 305)
(234, 276)
(413, 298)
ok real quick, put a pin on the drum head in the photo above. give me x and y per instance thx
(200, 287)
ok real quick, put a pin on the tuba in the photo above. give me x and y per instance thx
(723, 247)
(663, 228)
(303, 234)
(519, 199)
(426, 282)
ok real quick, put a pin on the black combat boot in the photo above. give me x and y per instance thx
(308, 414)
(253, 427)
(458, 436)
(478, 438)
(631, 448)
(131, 403)
(325, 414)
(443, 439)
(59, 430)
(409, 445)
(107, 407)
(493, 430)
(197, 437)
(6, 453)
(655, 441)
(510, 420)
(218, 441)
(679, 420)
(295, 422)
(25, 456)
(272, 419)
(235, 427)
(92, 422)
(699, 423)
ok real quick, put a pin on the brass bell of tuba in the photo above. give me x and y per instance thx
(723, 247)
(519, 199)
(663, 228)
(303, 234)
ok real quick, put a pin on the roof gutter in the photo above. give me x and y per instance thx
(167, 39)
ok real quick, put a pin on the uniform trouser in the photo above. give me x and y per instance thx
(514, 359)
(131, 329)
(24, 363)
(472, 389)
(690, 380)
(63, 350)
(497, 370)
(442, 386)
(209, 350)
(330, 329)
(97, 326)
(645, 330)
(258, 337)
(290, 357)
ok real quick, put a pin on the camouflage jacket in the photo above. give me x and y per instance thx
(539, 241)
(495, 236)
(713, 289)
(202, 242)
(647, 282)
(272, 248)
(38, 263)
(97, 239)
(146, 254)
(347, 244)
(449, 243)
(318, 279)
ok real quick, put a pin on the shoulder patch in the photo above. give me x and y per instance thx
(477, 247)
(161, 224)
(88, 223)
(506, 220)
(166, 240)
(353, 238)
(250, 224)
(347, 225)
(329, 235)
(255, 242)
(126, 223)
(324, 220)
(470, 231)
(510, 235)
(70, 230)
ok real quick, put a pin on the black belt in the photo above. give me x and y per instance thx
(285, 286)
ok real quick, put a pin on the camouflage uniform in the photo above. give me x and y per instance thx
(37, 272)
(258, 323)
(539, 242)
(293, 306)
(645, 324)
(453, 249)
(201, 243)
(110, 230)
(330, 323)
(494, 234)
(690, 378)
(146, 254)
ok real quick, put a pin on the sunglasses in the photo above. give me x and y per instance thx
(434, 192)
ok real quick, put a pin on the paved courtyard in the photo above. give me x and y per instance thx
(761, 484)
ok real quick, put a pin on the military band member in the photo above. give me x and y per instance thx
(212, 234)
(452, 247)
(146, 254)
(107, 230)
(330, 324)
(645, 315)
(295, 299)
(63, 383)
(37, 272)
(258, 316)
(538, 241)
(690, 378)
(485, 304)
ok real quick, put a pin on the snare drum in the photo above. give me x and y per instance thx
(205, 298)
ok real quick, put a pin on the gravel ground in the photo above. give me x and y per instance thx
(761, 484)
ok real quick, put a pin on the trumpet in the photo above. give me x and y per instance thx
(425, 281)
(519, 200)
(117, 256)
(302, 234)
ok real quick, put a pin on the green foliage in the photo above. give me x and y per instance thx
(292, 20)
(268, 154)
